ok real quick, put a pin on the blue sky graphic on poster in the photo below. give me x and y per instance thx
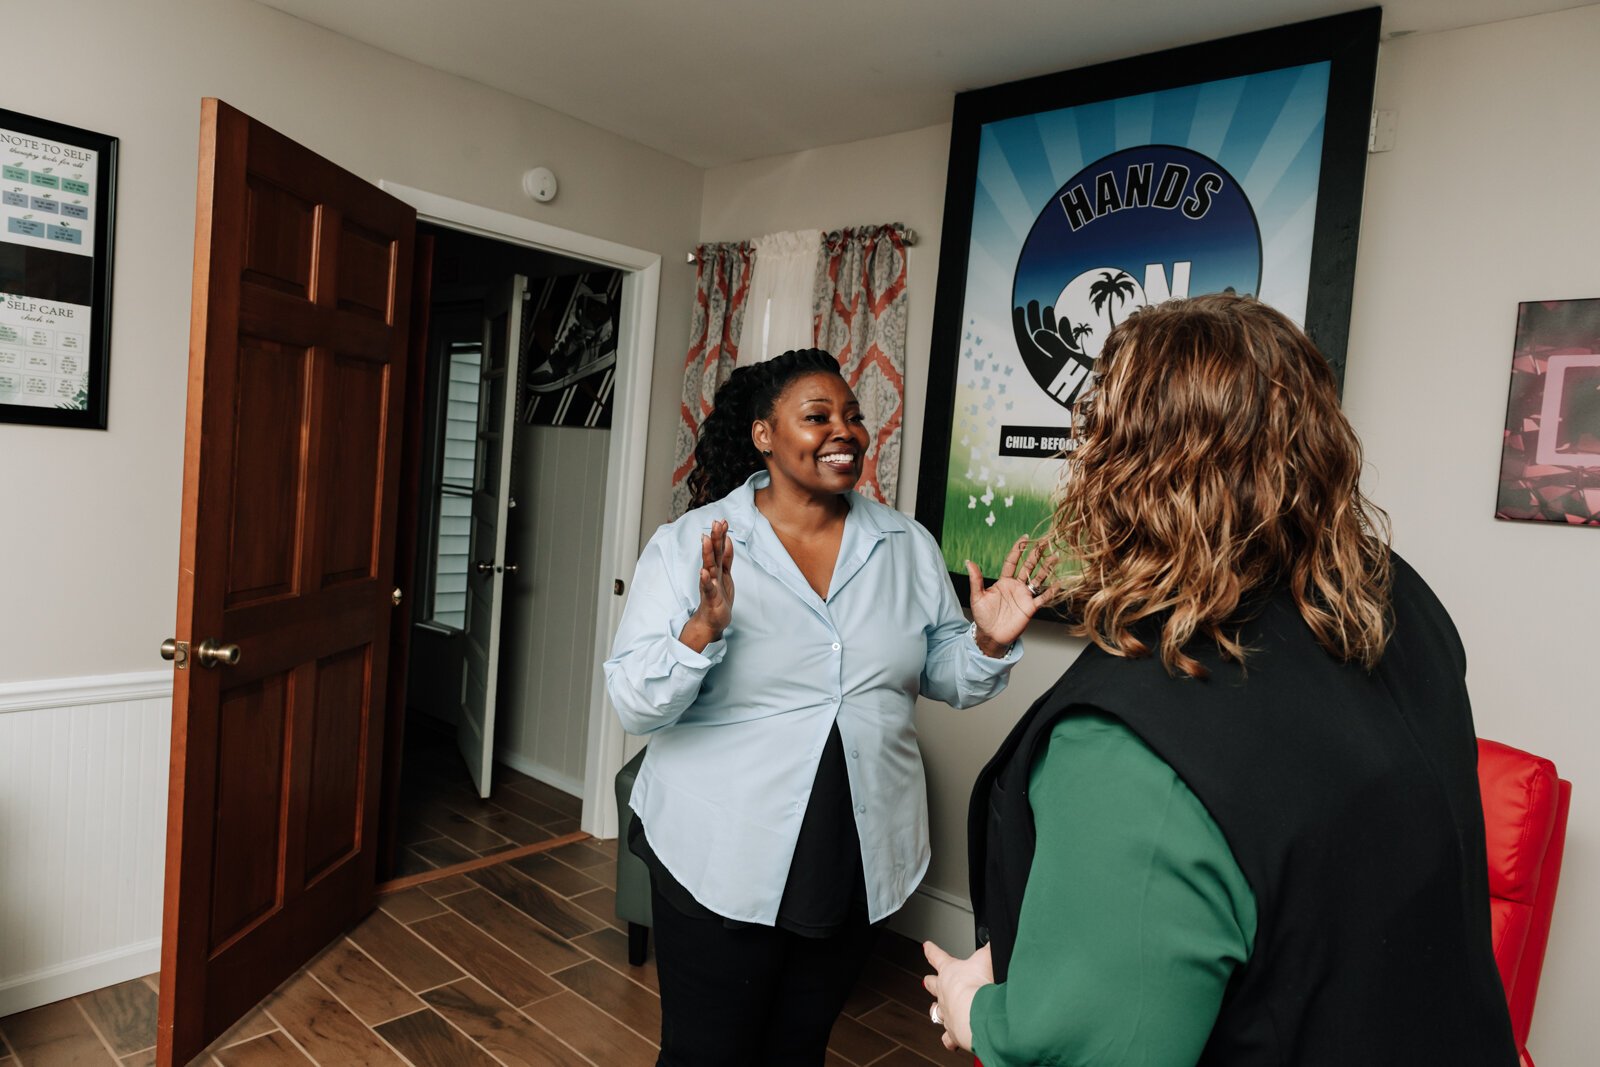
(1082, 214)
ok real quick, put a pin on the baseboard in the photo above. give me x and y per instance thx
(79, 976)
(89, 689)
(564, 782)
(934, 915)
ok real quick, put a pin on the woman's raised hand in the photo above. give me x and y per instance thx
(716, 590)
(1004, 609)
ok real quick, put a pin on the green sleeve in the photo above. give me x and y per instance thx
(1133, 919)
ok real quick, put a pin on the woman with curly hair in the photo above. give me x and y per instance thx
(1244, 827)
(781, 806)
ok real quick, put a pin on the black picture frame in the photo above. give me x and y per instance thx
(1347, 44)
(44, 284)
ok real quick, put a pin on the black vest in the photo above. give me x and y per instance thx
(1350, 802)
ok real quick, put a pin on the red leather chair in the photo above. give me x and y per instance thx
(1525, 828)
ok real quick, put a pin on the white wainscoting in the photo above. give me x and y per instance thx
(83, 809)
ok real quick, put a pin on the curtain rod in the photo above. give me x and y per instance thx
(909, 236)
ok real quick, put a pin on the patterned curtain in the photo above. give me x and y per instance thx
(722, 281)
(861, 301)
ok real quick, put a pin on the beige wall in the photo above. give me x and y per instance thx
(1487, 199)
(90, 530)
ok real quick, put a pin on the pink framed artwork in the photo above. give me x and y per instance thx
(1550, 458)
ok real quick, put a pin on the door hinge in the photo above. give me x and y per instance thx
(1380, 135)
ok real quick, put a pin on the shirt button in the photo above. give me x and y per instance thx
(854, 754)
(862, 808)
(836, 646)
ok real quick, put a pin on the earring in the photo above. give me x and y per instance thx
(766, 451)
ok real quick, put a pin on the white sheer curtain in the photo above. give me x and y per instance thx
(779, 313)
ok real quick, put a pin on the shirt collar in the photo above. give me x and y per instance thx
(750, 529)
(739, 507)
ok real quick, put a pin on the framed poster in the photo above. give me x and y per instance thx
(57, 200)
(1550, 452)
(1075, 198)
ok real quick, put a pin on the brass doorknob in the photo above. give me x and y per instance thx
(484, 566)
(215, 654)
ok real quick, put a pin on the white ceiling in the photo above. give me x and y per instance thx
(717, 81)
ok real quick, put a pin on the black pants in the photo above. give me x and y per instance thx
(753, 996)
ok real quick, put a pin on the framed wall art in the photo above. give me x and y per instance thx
(1550, 456)
(569, 349)
(1075, 198)
(57, 210)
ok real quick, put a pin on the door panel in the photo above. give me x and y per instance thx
(268, 398)
(296, 373)
(497, 392)
(278, 237)
(338, 751)
(252, 721)
(351, 468)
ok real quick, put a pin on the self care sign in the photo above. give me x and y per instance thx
(43, 353)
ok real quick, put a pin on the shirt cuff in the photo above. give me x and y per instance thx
(687, 656)
(986, 1003)
(994, 663)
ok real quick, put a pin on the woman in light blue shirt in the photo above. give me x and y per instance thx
(781, 805)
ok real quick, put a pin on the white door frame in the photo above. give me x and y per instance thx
(630, 418)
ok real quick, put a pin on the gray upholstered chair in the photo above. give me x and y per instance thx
(633, 877)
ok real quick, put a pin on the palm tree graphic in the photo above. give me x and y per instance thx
(1078, 330)
(1118, 285)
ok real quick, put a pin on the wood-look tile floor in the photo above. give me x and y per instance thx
(443, 821)
(521, 963)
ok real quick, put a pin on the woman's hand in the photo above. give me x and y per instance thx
(1003, 610)
(954, 985)
(716, 590)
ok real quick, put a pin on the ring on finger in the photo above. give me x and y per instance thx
(933, 1013)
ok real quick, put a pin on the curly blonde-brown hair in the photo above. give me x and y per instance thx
(1214, 463)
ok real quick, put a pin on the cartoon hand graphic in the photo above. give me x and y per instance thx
(1044, 349)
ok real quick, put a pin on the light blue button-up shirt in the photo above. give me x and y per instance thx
(738, 730)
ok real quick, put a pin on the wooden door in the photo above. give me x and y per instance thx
(291, 460)
(405, 554)
(491, 500)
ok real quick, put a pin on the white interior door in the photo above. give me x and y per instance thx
(491, 495)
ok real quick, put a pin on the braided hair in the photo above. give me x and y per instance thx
(724, 455)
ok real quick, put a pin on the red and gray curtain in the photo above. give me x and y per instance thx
(861, 303)
(722, 284)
